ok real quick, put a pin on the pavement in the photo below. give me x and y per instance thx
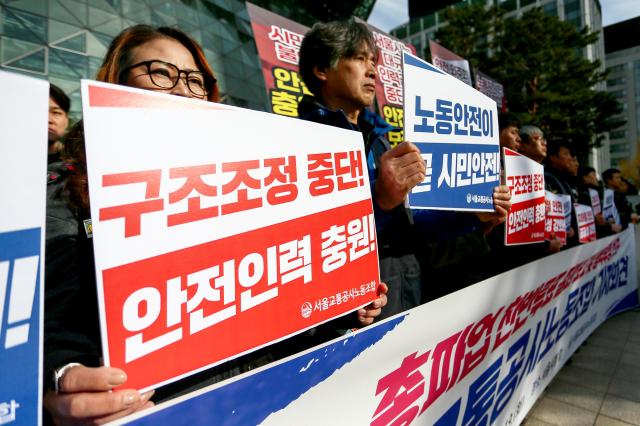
(601, 384)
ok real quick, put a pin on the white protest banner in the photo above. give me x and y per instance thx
(482, 355)
(23, 176)
(450, 63)
(609, 209)
(555, 222)
(456, 129)
(206, 250)
(526, 219)
(586, 223)
(595, 201)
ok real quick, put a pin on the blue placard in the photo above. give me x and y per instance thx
(456, 130)
(447, 187)
(20, 326)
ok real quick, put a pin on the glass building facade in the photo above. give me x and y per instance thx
(624, 83)
(65, 40)
(582, 13)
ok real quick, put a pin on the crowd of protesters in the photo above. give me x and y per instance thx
(420, 252)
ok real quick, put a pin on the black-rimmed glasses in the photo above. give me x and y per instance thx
(166, 76)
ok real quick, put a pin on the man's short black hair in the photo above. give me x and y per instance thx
(554, 147)
(607, 175)
(326, 43)
(507, 119)
(59, 97)
(585, 170)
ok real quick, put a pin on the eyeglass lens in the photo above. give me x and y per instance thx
(166, 76)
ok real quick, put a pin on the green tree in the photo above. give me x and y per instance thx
(539, 60)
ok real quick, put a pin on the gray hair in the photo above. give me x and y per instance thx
(326, 43)
(527, 132)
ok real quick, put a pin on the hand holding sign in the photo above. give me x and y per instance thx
(86, 396)
(555, 244)
(600, 220)
(369, 313)
(502, 204)
(400, 169)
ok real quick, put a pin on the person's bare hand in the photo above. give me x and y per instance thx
(571, 233)
(502, 205)
(615, 228)
(86, 397)
(600, 220)
(368, 314)
(554, 244)
(401, 168)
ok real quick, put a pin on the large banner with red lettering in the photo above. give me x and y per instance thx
(526, 219)
(278, 42)
(482, 355)
(389, 87)
(206, 250)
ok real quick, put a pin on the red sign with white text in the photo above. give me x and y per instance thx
(206, 251)
(389, 85)
(526, 219)
(278, 42)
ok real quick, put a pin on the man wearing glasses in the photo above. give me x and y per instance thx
(533, 143)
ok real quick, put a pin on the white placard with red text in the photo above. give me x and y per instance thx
(526, 219)
(218, 230)
(555, 221)
(595, 201)
(586, 223)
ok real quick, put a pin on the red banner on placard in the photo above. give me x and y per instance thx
(278, 42)
(526, 219)
(207, 303)
(389, 85)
